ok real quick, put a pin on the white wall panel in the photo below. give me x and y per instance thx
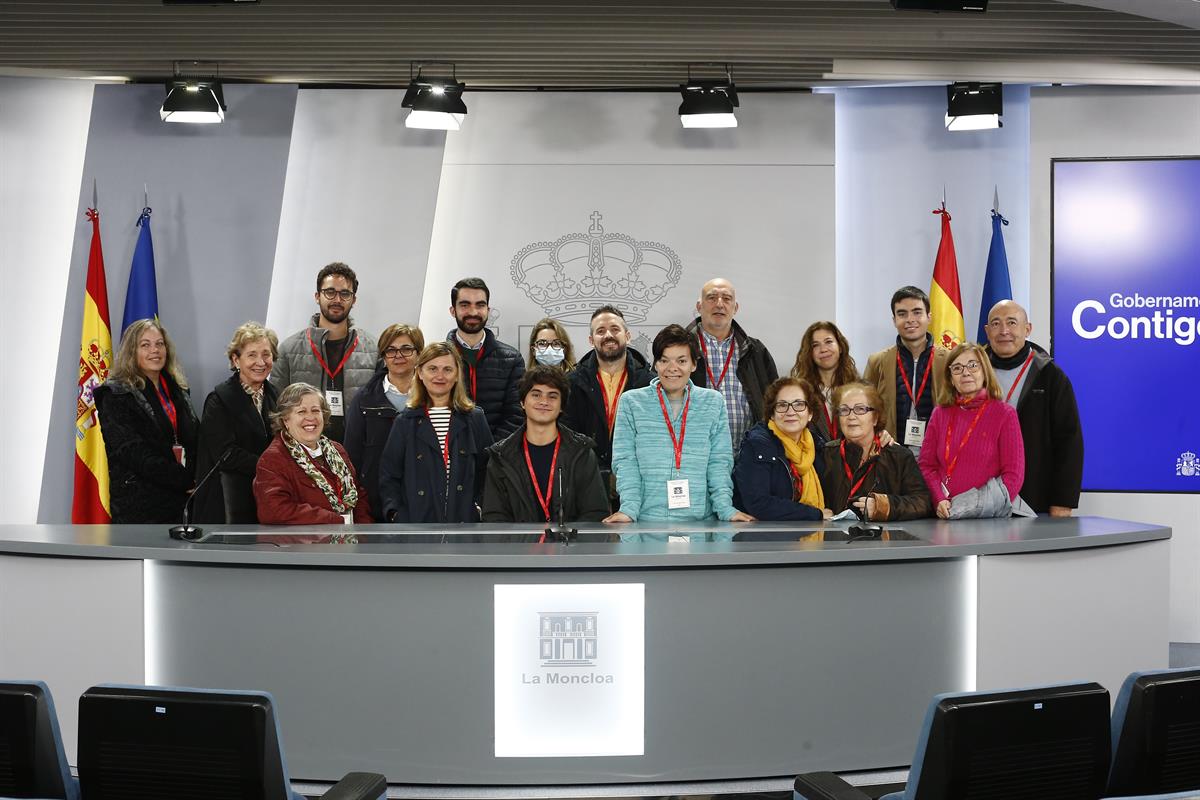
(754, 204)
(361, 189)
(43, 136)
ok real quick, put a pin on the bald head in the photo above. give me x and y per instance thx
(1007, 328)
(717, 306)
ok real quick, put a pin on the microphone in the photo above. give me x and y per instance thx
(187, 532)
(561, 533)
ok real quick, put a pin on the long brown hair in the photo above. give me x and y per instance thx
(125, 367)
(845, 372)
(418, 397)
(551, 324)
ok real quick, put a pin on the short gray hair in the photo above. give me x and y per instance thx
(290, 397)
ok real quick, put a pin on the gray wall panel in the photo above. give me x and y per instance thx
(216, 191)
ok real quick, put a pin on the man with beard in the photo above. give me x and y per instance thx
(331, 353)
(492, 369)
(597, 382)
(1045, 401)
(738, 366)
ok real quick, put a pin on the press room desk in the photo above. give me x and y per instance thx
(761, 658)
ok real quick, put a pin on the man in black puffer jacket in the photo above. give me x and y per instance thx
(491, 368)
(544, 471)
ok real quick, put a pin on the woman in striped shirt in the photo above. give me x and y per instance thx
(433, 464)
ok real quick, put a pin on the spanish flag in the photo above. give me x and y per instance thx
(90, 503)
(945, 300)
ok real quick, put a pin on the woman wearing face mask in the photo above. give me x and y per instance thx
(550, 346)
(237, 420)
(777, 474)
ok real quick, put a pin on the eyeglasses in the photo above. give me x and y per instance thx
(406, 350)
(857, 410)
(329, 294)
(555, 344)
(799, 406)
(970, 366)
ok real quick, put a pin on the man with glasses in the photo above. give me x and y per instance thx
(492, 369)
(907, 373)
(330, 353)
(736, 365)
(1045, 402)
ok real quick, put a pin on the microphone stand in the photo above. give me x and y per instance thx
(188, 532)
(561, 533)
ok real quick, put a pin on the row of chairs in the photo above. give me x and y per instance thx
(151, 743)
(1051, 743)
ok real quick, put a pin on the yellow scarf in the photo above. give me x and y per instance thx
(801, 455)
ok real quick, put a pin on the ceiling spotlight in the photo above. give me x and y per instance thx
(435, 103)
(196, 97)
(974, 106)
(708, 103)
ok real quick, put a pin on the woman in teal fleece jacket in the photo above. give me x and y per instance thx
(644, 444)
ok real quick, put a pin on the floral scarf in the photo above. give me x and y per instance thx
(337, 466)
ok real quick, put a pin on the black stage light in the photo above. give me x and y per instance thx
(435, 103)
(974, 106)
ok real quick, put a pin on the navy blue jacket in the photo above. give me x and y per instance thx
(412, 476)
(762, 479)
(368, 425)
(496, 376)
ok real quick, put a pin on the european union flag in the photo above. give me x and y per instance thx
(996, 285)
(141, 297)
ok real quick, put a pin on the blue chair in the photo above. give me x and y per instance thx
(1156, 735)
(1050, 742)
(31, 744)
(157, 742)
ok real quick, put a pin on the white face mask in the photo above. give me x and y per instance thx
(549, 357)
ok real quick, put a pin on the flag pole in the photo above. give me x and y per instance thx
(996, 199)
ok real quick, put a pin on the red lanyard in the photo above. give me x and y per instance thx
(830, 420)
(321, 360)
(908, 384)
(543, 500)
(797, 481)
(850, 475)
(715, 383)
(610, 409)
(446, 447)
(961, 445)
(1020, 375)
(164, 399)
(676, 443)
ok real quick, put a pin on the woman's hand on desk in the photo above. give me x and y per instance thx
(943, 509)
(617, 517)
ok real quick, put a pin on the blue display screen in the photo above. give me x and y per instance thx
(1126, 297)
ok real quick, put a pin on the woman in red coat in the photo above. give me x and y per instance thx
(304, 478)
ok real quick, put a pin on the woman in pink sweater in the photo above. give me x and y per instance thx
(973, 435)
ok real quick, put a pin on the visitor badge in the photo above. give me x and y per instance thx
(334, 398)
(677, 494)
(914, 432)
(348, 518)
(180, 456)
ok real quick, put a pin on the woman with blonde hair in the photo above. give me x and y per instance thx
(550, 346)
(236, 426)
(148, 426)
(379, 402)
(304, 477)
(973, 458)
(434, 462)
(824, 361)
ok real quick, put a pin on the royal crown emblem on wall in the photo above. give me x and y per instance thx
(574, 274)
